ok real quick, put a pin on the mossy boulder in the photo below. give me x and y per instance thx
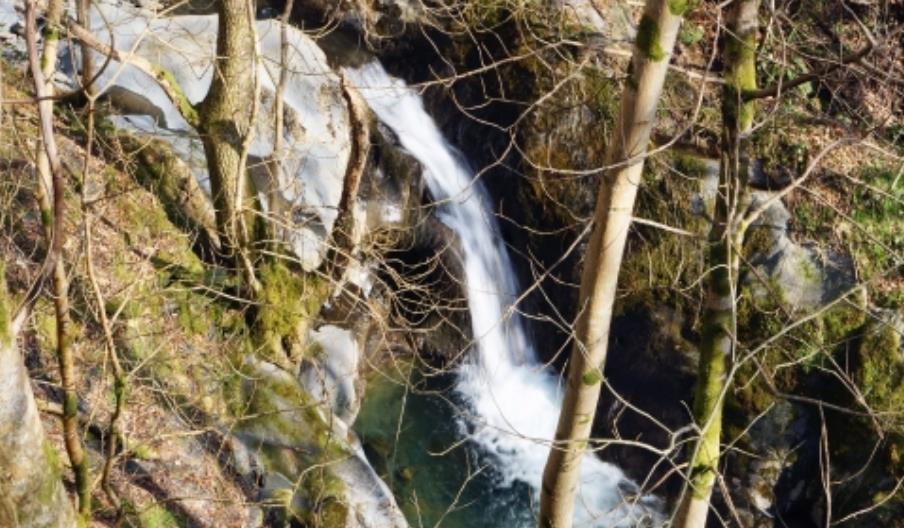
(867, 440)
(881, 372)
(312, 470)
(291, 441)
(288, 304)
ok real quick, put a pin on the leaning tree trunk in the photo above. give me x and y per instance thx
(31, 484)
(615, 204)
(226, 126)
(726, 238)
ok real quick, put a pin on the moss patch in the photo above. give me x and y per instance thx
(592, 377)
(877, 240)
(649, 39)
(882, 372)
(157, 516)
(288, 303)
(678, 7)
(659, 264)
(283, 424)
(188, 110)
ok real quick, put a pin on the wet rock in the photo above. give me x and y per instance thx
(330, 372)
(312, 464)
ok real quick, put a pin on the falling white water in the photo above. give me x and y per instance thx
(515, 402)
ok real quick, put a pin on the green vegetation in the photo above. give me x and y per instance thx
(288, 303)
(189, 111)
(592, 377)
(648, 39)
(690, 34)
(881, 372)
(659, 264)
(877, 239)
(678, 7)
(157, 516)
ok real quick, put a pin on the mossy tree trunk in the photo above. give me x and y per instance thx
(226, 124)
(612, 219)
(726, 238)
(51, 198)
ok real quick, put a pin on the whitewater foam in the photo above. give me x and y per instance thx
(514, 402)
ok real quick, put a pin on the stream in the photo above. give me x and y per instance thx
(505, 404)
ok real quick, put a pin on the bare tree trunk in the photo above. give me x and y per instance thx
(726, 239)
(615, 204)
(49, 173)
(277, 207)
(226, 125)
(31, 486)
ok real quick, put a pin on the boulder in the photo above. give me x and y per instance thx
(305, 192)
(312, 466)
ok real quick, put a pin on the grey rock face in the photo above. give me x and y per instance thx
(31, 488)
(330, 376)
(305, 191)
(806, 277)
(289, 436)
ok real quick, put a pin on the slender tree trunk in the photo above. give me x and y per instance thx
(615, 204)
(226, 125)
(48, 66)
(341, 241)
(53, 213)
(726, 239)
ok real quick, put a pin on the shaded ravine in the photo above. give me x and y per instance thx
(513, 402)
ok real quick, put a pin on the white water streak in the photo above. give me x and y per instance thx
(515, 402)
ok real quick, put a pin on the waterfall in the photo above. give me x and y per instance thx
(514, 401)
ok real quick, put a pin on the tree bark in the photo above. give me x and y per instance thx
(226, 124)
(652, 50)
(83, 17)
(51, 181)
(726, 239)
(341, 241)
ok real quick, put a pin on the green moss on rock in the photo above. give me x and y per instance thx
(280, 422)
(881, 372)
(289, 301)
(156, 516)
(661, 267)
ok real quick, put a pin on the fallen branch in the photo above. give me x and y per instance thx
(341, 241)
